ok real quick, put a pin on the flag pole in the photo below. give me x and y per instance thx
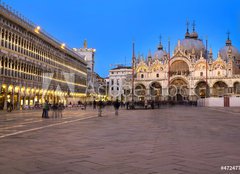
(206, 67)
(133, 64)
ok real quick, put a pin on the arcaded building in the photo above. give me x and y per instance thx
(34, 66)
(190, 73)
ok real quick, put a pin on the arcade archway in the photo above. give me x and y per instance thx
(155, 91)
(236, 87)
(202, 89)
(140, 92)
(219, 89)
(179, 90)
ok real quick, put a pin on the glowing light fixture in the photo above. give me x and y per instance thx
(63, 45)
(37, 29)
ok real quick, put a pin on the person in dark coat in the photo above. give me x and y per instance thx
(45, 110)
(116, 106)
(94, 104)
(127, 104)
(100, 107)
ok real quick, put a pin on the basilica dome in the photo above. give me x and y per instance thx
(229, 50)
(160, 53)
(190, 44)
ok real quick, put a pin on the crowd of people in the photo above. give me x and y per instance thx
(57, 108)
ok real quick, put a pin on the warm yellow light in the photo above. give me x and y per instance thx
(16, 89)
(63, 45)
(37, 29)
(10, 88)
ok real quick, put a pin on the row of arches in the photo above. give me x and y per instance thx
(179, 90)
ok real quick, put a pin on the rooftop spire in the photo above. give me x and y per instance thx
(85, 43)
(193, 25)
(160, 47)
(194, 34)
(187, 35)
(228, 42)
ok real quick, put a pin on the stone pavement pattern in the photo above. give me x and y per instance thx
(178, 140)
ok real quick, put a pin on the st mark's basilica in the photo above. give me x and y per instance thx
(190, 73)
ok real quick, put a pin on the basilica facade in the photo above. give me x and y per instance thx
(190, 73)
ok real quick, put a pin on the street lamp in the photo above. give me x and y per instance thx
(37, 29)
(63, 45)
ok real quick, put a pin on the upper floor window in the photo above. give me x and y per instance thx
(201, 73)
(142, 76)
(157, 75)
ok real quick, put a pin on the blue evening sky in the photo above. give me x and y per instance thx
(111, 25)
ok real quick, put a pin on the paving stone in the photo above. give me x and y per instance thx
(172, 140)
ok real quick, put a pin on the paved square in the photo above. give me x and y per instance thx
(176, 140)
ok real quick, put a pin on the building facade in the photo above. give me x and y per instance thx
(89, 57)
(34, 66)
(190, 73)
(119, 82)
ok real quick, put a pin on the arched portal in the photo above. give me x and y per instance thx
(236, 87)
(202, 89)
(155, 91)
(140, 91)
(179, 90)
(179, 67)
(219, 89)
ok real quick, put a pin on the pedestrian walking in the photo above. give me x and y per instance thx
(60, 109)
(116, 107)
(100, 107)
(45, 110)
(85, 105)
(8, 106)
(127, 105)
(55, 111)
(152, 104)
(94, 104)
(145, 104)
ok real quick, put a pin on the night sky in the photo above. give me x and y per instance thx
(110, 26)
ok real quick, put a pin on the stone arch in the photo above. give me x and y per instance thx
(179, 67)
(179, 89)
(140, 91)
(155, 89)
(236, 87)
(219, 88)
(202, 89)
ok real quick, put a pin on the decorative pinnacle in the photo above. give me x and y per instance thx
(160, 47)
(187, 24)
(228, 34)
(160, 39)
(193, 25)
(228, 42)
